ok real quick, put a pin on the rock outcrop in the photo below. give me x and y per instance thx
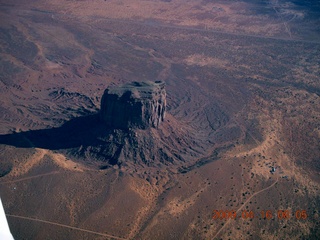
(134, 105)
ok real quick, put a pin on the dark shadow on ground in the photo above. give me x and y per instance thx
(81, 131)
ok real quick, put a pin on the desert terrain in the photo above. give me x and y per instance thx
(241, 132)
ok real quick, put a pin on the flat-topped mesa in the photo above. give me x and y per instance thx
(134, 105)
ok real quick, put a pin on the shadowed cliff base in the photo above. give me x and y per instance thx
(126, 130)
(89, 138)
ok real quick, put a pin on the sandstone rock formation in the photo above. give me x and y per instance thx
(134, 105)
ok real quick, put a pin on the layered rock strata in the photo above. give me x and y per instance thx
(134, 105)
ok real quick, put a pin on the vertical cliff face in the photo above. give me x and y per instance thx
(134, 105)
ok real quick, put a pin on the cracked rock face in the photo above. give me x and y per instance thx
(134, 105)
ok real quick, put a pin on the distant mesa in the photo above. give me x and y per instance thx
(134, 105)
(126, 127)
(128, 131)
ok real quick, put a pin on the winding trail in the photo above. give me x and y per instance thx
(244, 204)
(275, 5)
(65, 226)
(27, 178)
